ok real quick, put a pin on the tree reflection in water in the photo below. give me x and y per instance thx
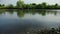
(21, 13)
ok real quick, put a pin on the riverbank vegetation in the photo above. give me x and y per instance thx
(21, 5)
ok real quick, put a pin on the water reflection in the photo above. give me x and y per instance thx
(21, 13)
(23, 21)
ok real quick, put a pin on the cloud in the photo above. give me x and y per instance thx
(6, 2)
(40, 1)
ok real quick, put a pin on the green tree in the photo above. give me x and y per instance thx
(33, 5)
(10, 6)
(0, 5)
(20, 4)
(3, 5)
(56, 6)
(39, 6)
(44, 5)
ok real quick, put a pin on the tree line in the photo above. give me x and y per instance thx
(22, 5)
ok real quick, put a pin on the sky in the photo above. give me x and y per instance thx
(6, 2)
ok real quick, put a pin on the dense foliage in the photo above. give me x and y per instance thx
(22, 5)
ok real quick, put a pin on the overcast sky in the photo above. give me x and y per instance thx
(30, 1)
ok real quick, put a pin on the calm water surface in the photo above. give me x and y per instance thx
(23, 21)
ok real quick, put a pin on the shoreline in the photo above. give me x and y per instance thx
(29, 8)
